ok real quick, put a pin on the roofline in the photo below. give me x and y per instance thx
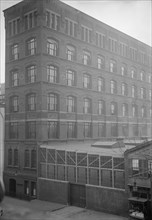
(138, 147)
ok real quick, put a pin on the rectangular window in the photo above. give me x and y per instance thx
(27, 158)
(87, 129)
(31, 130)
(52, 20)
(101, 130)
(53, 129)
(123, 49)
(71, 131)
(31, 46)
(30, 20)
(70, 27)
(70, 78)
(31, 74)
(33, 189)
(52, 74)
(14, 129)
(15, 157)
(26, 187)
(14, 27)
(14, 52)
(86, 34)
(133, 54)
(14, 78)
(113, 45)
(10, 157)
(135, 166)
(100, 40)
(33, 159)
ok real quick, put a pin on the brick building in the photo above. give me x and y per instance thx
(68, 77)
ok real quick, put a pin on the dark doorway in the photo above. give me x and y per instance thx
(12, 187)
(78, 195)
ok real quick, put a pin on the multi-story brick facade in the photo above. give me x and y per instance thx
(69, 77)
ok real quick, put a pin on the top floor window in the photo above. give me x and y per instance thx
(133, 54)
(14, 53)
(52, 47)
(52, 20)
(30, 20)
(14, 27)
(86, 57)
(113, 45)
(86, 34)
(100, 40)
(123, 49)
(31, 46)
(113, 66)
(71, 53)
(70, 27)
(101, 62)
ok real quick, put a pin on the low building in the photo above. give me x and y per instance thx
(85, 174)
(138, 173)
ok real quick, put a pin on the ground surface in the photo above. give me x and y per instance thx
(15, 209)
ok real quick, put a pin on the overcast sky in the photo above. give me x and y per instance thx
(133, 17)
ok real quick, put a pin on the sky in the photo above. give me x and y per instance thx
(133, 17)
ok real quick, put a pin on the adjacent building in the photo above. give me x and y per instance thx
(69, 78)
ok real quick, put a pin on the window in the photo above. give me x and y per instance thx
(100, 40)
(143, 111)
(52, 47)
(150, 95)
(53, 131)
(31, 46)
(142, 76)
(33, 158)
(87, 130)
(124, 89)
(86, 57)
(101, 107)
(123, 49)
(124, 109)
(14, 27)
(133, 54)
(101, 84)
(101, 62)
(87, 106)
(30, 19)
(26, 158)
(135, 166)
(123, 70)
(71, 78)
(31, 130)
(86, 34)
(14, 105)
(71, 104)
(101, 130)
(134, 110)
(31, 102)
(15, 157)
(150, 79)
(10, 157)
(133, 91)
(113, 66)
(31, 74)
(71, 52)
(52, 101)
(52, 20)
(52, 74)
(70, 27)
(133, 73)
(125, 130)
(113, 108)
(33, 188)
(14, 53)
(142, 57)
(86, 81)
(142, 93)
(113, 45)
(26, 187)
(71, 130)
(14, 78)
(114, 130)
(150, 165)
(113, 87)
(14, 129)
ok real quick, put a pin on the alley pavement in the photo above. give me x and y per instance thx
(15, 209)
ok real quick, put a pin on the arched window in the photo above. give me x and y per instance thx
(52, 47)
(52, 102)
(71, 104)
